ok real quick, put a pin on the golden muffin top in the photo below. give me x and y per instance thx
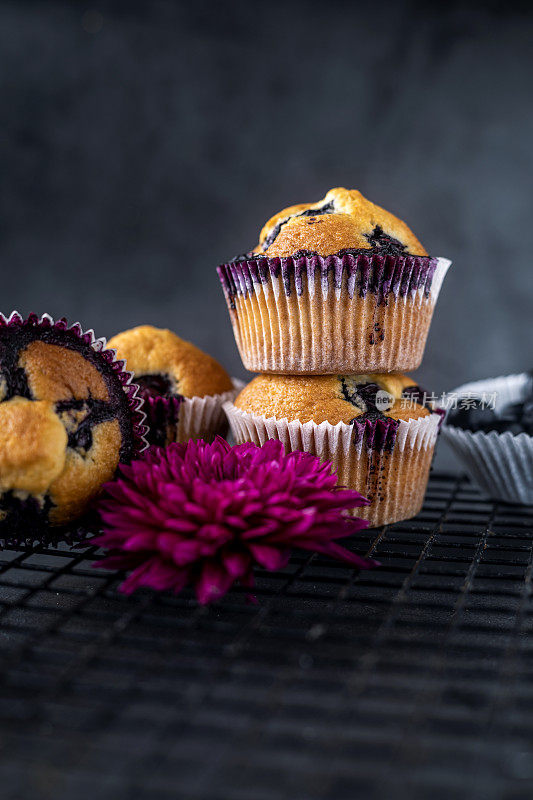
(343, 220)
(33, 445)
(165, 365)
(332, 398)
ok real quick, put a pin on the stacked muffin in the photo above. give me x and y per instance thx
(335, 300)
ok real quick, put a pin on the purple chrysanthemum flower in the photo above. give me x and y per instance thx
(206, 514)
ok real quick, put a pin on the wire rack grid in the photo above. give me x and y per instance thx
(414, 680)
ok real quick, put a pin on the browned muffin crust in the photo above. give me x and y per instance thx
(344, 220)
(55, 373)
(321, 398)
(150, 351)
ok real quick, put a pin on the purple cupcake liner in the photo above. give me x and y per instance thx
(380, 275)
(61, 333)
(162, 414)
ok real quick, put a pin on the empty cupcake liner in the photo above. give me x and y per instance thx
(387, 462)
(334, 314)
(501, 464)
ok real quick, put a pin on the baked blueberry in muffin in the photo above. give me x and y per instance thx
(370, 427)
(339, 285)
(344, 221)
(333, 398)
(68, 417)
(173, 376)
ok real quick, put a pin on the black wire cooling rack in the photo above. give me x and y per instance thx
(411, 681)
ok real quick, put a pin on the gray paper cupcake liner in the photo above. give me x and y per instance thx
(501, 464)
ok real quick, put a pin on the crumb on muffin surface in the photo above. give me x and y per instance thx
(167, 364)
(342, 220)
(321, 398)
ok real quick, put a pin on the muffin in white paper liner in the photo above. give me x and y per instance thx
(178, 419)
(182, 387)
(393, 478)
(501, 464)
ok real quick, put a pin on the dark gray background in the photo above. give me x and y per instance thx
(143, 143)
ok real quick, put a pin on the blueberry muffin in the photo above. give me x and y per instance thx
(339, 285)
(68, 417)
(183, 388)
(373, 428)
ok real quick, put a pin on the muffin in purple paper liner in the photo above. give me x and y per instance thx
(183, 388)
(69, 414)
(338, 286)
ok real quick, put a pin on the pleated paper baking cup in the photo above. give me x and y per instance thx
(349, 313)
(204, 417)
(162, 415)
(387, 462)
(501, 464)
(178, 419)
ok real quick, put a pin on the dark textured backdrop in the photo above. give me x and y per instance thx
(143, 143)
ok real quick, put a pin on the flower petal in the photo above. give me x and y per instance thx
(213, 583)
(206, 513)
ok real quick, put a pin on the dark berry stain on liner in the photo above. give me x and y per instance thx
(380, 430)
(162, 416)
(383, 269)
(161, 406)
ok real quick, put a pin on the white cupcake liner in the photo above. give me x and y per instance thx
(397, 479)
(204, 417)
(501, 464)
(306, 322)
